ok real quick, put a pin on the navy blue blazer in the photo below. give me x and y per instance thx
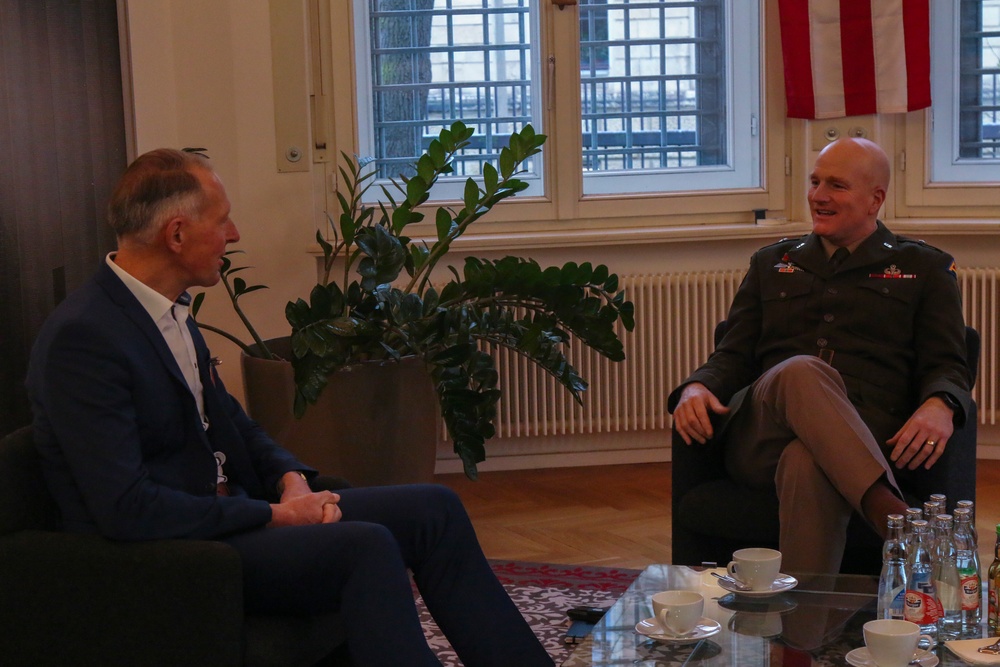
(123, 449)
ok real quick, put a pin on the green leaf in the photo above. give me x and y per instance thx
(507, 163)
(436, 153)
(385, 257)
(452, 356)
(418, 255)
(345, 326)
(411, 308)
(516, 146)
(447, 141)
(444, 224)
(348, 228)
(199, 298)
(460, 131)
(627, 312)
(491, 178)
(401, 217)
(320, 301)
(471, 196)
(430, 301)
(425, 168)
(323, 243)
(452, 291)
(391, 351)
(416, 191)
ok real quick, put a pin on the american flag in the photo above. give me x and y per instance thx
(855, 57)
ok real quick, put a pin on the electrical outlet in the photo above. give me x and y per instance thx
(823, 132)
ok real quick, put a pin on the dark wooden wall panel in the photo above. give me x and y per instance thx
(62, 144)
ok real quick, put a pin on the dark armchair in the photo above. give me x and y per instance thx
(71, 599)
(713, 515)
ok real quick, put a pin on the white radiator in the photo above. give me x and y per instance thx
(675, 318)
(981, 307)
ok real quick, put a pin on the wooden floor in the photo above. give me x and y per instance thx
(613, 516)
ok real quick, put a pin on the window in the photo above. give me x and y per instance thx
(431, 62)
(669, 95)
(664, 111)
(965, 140)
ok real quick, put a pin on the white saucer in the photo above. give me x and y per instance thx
(784, 582)
(650, 628)
(859, 657)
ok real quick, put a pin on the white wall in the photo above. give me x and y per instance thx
(202, 77)
(202, 73)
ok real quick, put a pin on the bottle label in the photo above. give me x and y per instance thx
(898, 604)
(970, 590)
(992, 597)
(921, 605)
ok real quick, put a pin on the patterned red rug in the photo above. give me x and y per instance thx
(543, 592)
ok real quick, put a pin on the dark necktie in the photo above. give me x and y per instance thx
(839, 255)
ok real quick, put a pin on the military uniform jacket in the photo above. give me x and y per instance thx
(889, 319)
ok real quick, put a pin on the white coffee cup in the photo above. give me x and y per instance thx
(756, 567)
(892, 642)
(678, 612)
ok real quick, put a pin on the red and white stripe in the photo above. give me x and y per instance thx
(854, 57)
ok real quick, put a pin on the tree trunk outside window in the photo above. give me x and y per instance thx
(398, 104)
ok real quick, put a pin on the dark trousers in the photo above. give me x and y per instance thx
(358, 567)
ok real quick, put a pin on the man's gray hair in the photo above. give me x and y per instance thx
(157, 186)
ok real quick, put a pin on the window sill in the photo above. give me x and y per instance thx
(542, 239)
(621, 236)
(945, 226)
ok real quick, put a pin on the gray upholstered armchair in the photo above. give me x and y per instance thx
(713, 515)
(70, 599)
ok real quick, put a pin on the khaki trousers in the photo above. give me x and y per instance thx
(797, 429)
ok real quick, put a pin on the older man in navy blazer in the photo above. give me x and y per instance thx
(140, 441)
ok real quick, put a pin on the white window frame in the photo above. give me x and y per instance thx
(744, 168)
(447, 188)
(921, 192)
(946, 167)
(564, 209)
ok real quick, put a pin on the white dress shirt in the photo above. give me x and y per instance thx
(171, 319)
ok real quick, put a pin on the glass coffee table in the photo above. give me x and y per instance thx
(815, 624)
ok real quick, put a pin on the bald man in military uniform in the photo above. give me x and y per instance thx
(843, 365)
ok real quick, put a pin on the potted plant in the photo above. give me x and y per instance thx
(386, 304)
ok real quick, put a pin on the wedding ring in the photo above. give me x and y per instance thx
(931, 443)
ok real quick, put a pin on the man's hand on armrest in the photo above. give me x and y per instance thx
(693, 414)
(923, 437)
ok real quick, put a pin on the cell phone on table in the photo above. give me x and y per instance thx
(587, 614)
(578, 630)
(582, 622)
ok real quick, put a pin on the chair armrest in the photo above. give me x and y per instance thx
(81, 599)
(693, 465)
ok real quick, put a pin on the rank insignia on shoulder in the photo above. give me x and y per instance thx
(892, 271)
(953, 269)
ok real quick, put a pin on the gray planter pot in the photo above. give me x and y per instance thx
(375, 423)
